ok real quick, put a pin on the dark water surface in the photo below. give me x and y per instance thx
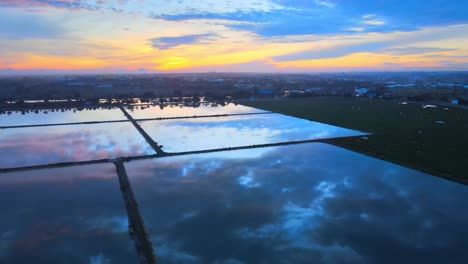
(68, 215)
(43, 145)
(49, 116)
(184, 111)
(308, 203)
(234, 131)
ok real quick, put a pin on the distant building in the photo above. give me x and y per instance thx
(217, 81)
(401, 85)
(293, 93)
(75, 84)
(310, 90)
(105, 86)
(266, 92)
(314, 90)
(360, 91)
(443, 85)
(429, 106)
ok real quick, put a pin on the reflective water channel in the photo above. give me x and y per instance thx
(65, 215)
(204, 109)
(54, 116)
(300, 203)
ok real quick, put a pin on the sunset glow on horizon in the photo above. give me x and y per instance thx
(131, 36)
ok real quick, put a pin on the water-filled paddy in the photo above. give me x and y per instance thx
(167, 111)
(68, 215)
(291, 204)
(57, 116)
(43, 145)
(220, 132)
(308, 203)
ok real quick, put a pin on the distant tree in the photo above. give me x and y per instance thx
(462, 101)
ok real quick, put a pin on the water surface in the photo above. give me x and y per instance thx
(308, 203)
(183, 111)
(235, 131)
(43, 145)
(68, 215)
(56, 116)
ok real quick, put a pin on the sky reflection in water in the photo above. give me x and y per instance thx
(308, 203)
(42, 145)
(181, 111)
(56, 117)
(234, 131)
(68, 215)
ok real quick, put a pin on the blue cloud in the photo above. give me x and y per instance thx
(67, 4)
(164, 43)
(15, 26)
(416, 12)
(277, 22)
(62, 4)
(332, 52)
(298, 22)
(339, 51)
(413, 50)
(299, 17)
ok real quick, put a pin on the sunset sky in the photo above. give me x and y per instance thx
(116, 36)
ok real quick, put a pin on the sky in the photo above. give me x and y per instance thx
(140, 36)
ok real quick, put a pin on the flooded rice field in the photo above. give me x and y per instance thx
(307, 203)
(65, 215)
(44, 145)
(126, 202)
(57, 116)
(147, 112)
(235, 131)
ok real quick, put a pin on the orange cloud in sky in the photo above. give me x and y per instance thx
(30, 61)
(106, 42)
(220, 54)
(368, 60)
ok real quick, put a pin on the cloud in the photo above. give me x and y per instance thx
(374, 22)
(332, 51)
(164, 43)
(216, 7)
(296, 17)
(395, 43)
(275, 18)
(368, 16)
(145, 8)
(356, 29)
(67, 4)
(414, 50)
(252, 35)
(325, 3)
(16, 25)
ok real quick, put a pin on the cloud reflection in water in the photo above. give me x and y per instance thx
(235, 131)
(181, 111)
(39, 145)
(49, 116)
(313, 203)
(78, 218)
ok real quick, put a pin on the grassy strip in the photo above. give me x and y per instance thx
(406, 134)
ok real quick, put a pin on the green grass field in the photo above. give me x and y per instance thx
(404, 134)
